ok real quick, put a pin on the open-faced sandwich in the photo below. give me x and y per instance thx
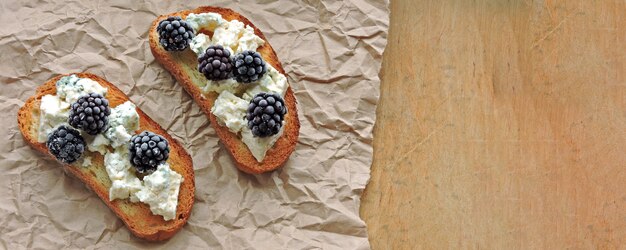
(137, 169)
(225, 63)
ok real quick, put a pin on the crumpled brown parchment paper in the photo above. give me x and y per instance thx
(331, 51)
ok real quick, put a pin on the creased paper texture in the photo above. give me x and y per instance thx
(331, 51)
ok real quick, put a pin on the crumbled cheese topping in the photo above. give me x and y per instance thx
(230, 111)
(231, 104)
(159, 190)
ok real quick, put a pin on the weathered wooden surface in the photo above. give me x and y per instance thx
(501, 124)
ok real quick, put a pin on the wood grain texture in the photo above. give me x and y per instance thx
(501, 124)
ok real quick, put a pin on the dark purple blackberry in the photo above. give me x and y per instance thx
(249, 66)
(66, 144)
(215, 63)
(174, 34)
(147, 151)
(90, 113)
(265, 114)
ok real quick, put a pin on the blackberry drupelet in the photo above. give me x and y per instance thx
(147, 151)
(249, 66)
(174, 34)
(66, 144)
(90, 113)
(215, 63)
(266, 113)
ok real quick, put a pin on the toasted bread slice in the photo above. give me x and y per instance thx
(183, 65)
(137, 216)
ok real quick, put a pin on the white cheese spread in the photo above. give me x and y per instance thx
(53, 112)
(230, 85)
(233, 35)
(208, 21)
(97, 143)
(72, 87)
(227, 34)
(230, 111)
(248, 40)
(259, 145)
(124, 182)
(200, 43)
(117, 135)
(123, 121)
(236, 36)
(272, 82)
(160, 191)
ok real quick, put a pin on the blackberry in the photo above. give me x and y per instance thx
(66, 144)
(249, 66)
(265, 114)
(147, 151)
(90, 113)
(174, 34)
(215, 63)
